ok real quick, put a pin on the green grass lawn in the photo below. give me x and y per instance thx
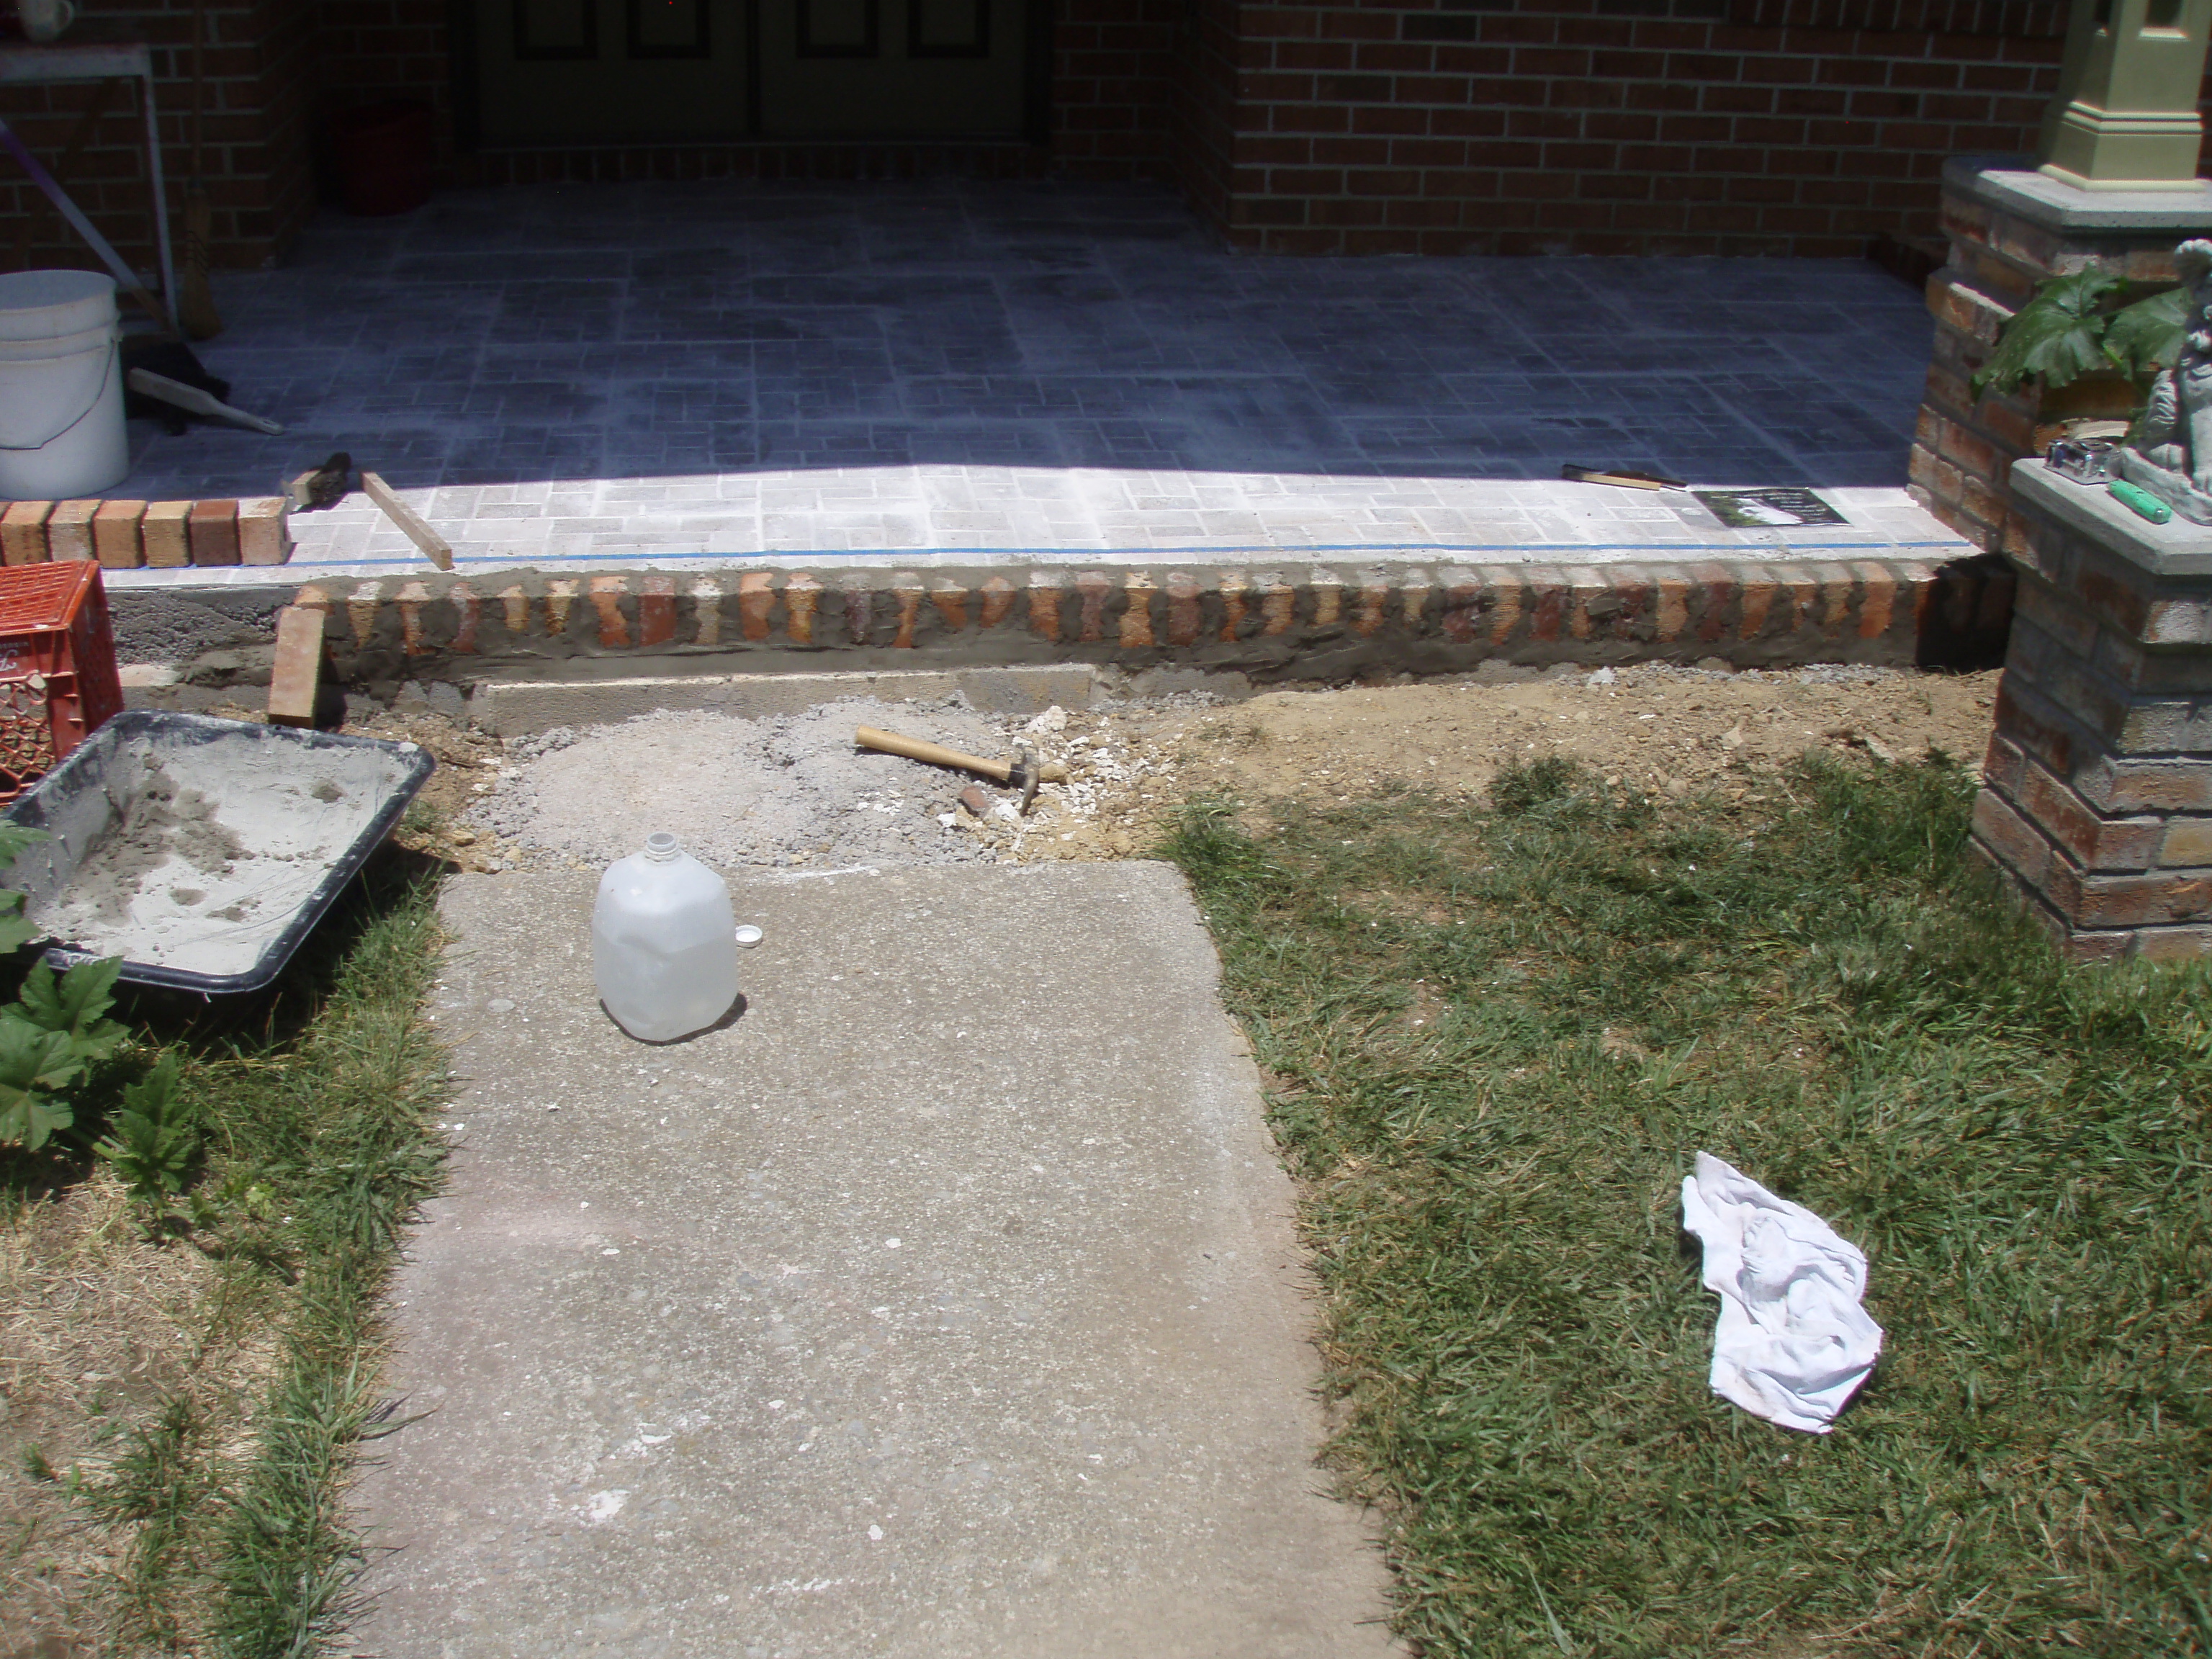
(1494, 1041)
(311, 1108)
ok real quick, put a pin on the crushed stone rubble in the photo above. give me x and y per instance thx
(794, 791)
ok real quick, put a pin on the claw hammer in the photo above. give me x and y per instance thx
(1021, 773)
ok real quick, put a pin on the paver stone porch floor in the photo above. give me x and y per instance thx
(672, 371)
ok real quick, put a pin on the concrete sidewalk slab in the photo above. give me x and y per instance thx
(946, 1303)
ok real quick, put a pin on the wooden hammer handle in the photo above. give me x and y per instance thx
(936, 754)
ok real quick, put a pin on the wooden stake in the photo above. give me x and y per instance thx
(436, 548)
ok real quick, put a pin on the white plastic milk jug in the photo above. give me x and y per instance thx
(664, 945)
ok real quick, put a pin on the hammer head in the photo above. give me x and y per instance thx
(1023, 776)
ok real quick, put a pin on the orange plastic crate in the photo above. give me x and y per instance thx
(57, 679)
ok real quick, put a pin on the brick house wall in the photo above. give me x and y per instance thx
(1509, 126)
(259, 88)
(1622, 127)
(1204, 109)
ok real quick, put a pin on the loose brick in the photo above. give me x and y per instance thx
(298, 668)
(211, 532)
(468, 613)
(162, 534)
(1044, 604)
(23, 532)
(115, 541)
(412, 600)
(1091, 587)
(607, 595)
(69, 530)
(264, 534)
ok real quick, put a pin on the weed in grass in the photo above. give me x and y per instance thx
(157, 1482)
(1830, 995)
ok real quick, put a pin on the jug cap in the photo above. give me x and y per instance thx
(661, 847)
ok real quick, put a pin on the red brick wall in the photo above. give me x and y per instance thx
(1621, 126)
(259, 86)
(1737, 126)
(368, 51)
(1203, 127)
(1114, 72)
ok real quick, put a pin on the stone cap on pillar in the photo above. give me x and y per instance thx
(2175, 549)
(2012, 184)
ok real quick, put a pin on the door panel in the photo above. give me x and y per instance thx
(620, 70)
(903, 69)
(630, 71)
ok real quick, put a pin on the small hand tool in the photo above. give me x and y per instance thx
(1021, 773)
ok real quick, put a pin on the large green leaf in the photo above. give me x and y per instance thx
(14, 838)
(33, 1064)
(2058, 335)
(17, 929)
(30, 1121)
(2149, 335)
(73, 1004)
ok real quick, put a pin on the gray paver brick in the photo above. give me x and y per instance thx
(1017, 364)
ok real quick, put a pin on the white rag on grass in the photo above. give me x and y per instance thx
(1793, 1343)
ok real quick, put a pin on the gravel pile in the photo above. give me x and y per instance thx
(793, 790)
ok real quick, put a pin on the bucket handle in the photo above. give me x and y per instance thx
(114, 358)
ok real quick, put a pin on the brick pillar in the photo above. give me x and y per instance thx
(2097, 797)
(2009, 229)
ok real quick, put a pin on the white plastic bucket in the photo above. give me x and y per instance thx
(61, 385)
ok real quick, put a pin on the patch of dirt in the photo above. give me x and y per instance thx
(96, 1327)
(1654, 730)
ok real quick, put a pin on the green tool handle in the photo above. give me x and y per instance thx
(2142, 501)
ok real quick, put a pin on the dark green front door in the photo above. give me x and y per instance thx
(641, 70)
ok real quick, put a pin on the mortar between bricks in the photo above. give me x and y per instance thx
(1311, 622)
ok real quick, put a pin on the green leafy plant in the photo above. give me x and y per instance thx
(2086, 323)
(155, 1140)
(50, 1037)
(15, 928)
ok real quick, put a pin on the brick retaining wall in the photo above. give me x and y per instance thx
(1307, 622)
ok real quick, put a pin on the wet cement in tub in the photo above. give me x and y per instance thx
(210, 849)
